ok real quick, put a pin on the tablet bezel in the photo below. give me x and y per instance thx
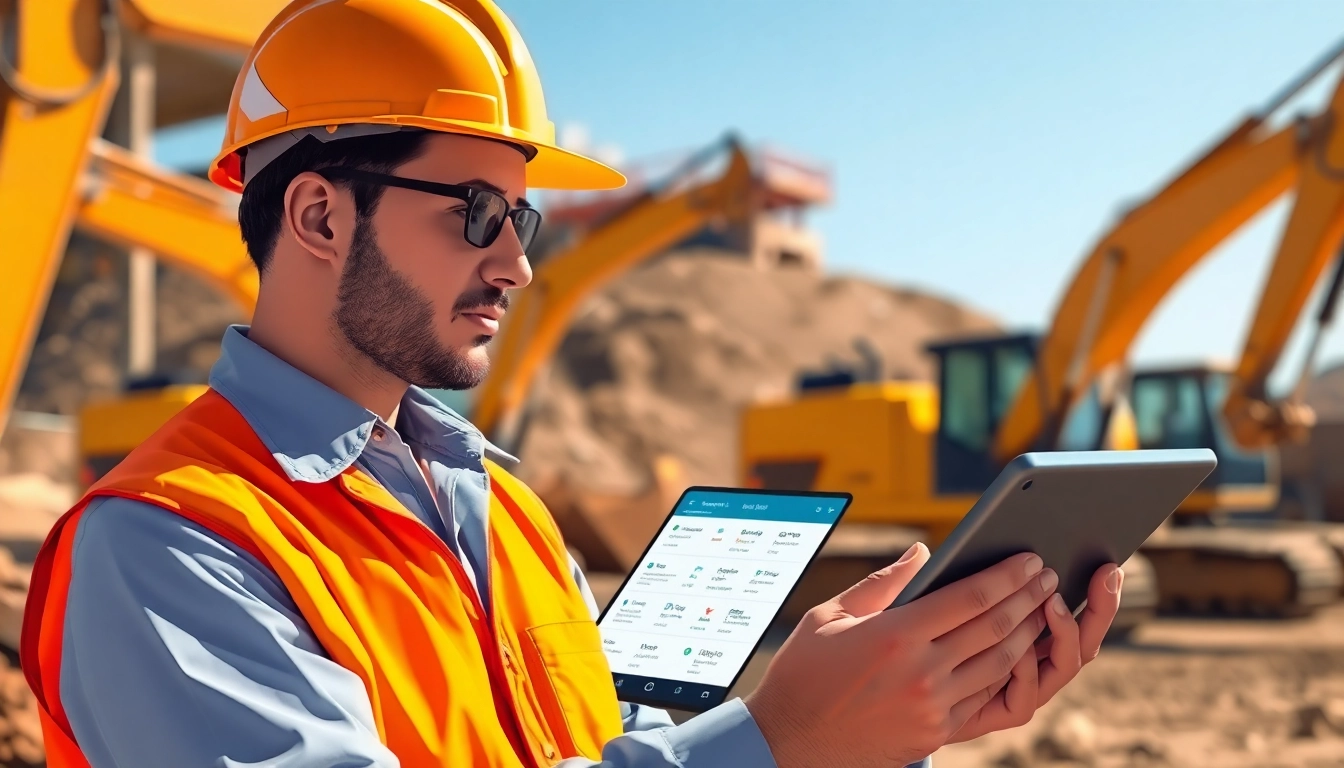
(708, 704)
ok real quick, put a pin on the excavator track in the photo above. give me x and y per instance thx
(1244, 570)
(1331, 532)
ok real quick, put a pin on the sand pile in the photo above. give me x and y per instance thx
(664, 360)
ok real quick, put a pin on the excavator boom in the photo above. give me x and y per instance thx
(55, 95)
(1310, 241)
(1136, 265)
(55, 98)
(187, 222)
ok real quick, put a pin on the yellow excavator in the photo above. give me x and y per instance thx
(916, 455)
(59, 72)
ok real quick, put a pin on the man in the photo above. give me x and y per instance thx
(317, 564)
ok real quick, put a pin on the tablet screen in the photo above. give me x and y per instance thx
(689, 616)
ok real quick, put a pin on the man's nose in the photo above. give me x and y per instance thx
(506, 265)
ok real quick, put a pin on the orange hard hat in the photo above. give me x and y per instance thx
(332, 68)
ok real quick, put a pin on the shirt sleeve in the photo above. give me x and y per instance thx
(179, 649)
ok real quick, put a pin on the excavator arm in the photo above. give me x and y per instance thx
(1136, 264)
(54, 99)
(1311, 239)
(187, 222)
(654, 221)
(56, 87)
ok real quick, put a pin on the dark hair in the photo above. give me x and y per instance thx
(260, 213)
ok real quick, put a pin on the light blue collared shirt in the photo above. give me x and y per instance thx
(182, 650)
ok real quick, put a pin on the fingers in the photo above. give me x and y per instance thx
(993, 663)
(877, 591)
(1020, 698)
(1103, 600)
(997, 708)
(948, 608)
(995, 625)
(1064, 659)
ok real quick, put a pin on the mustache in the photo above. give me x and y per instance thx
(489, 296)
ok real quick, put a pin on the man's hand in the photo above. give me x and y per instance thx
(858, 685)
(1038, 676)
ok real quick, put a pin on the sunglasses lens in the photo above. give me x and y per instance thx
(485, 218)
(526, 222)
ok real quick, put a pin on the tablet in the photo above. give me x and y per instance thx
(1077, 510)
(688, 618)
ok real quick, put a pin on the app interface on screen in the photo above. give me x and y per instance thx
(710, 584)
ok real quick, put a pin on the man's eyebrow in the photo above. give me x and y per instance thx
(483, 184)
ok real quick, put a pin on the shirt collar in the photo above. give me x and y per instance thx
(314, 432)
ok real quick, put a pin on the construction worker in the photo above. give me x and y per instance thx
(318, 564)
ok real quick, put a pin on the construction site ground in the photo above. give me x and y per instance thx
(1192, 693)
(1188, 693)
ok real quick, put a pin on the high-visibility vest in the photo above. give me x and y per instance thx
(524, 684)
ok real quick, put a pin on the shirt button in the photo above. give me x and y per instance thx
(379, 434)
(549, 750)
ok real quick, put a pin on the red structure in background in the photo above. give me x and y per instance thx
(774, 236)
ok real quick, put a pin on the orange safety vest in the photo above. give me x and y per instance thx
(525, 685)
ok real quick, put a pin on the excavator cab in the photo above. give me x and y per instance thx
(1182, 408)
(978, 381)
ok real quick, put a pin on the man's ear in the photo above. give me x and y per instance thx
(320, 216)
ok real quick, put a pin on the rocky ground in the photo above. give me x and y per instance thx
(1184, 694)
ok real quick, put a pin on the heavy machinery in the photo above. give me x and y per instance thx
(916, 455)
(61, 67)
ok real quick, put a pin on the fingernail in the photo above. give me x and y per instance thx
(1113, 581)
(1049, 580)
(1057, 605)
(909, 554)
(1034, 565)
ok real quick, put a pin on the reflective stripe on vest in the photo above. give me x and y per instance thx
(524, 684)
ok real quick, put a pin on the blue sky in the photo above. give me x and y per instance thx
(978, 148)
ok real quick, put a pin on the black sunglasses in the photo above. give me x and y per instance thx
(486, 210)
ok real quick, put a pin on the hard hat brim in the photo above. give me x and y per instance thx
(551, 168)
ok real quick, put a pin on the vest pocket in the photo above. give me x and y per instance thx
(572, 679)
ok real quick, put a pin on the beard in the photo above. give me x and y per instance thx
(391, 322)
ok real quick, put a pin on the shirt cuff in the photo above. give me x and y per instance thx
(724, 737)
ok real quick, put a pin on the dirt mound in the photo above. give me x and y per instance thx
(663, 361)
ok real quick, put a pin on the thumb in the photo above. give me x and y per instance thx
(876, 592)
